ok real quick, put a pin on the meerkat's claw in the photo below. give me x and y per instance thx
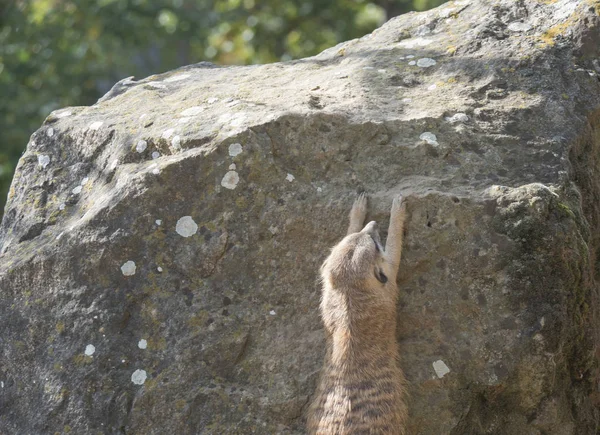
(361, 200)
(398, 203)
(360, 205)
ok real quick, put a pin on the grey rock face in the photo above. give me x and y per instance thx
(160, 249)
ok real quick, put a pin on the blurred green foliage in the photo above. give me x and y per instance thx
(58, 53)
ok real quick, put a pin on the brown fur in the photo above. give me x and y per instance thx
(361, 390)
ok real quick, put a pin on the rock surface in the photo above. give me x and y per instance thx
(160, 249)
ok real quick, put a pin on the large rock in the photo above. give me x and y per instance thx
(160, 249)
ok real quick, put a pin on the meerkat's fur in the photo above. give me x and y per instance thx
(361, 390)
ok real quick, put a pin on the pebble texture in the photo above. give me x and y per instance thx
(213, 195)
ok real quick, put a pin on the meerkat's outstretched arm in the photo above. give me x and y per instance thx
(393, 245)
(358, 214)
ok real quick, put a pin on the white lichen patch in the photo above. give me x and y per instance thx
(96, 125)
(430, 138)
(414, 43)
(84, 181)
(432, 87)
(160, 269)
(141, 146)
(155, 155)
(381, 71)
(238, 119)
(168, 133)
(192, 111)
(235, 149)
(212, 100)
(272, 312)
(63, 114)
(230, 180)
(77, 190)
(186, 227)
(157, 85)
(422, 30)
(517, 26)
(43, 160)
(441, 369)
(128, 268)
(142, 344)
(177, 78)
(410, 56)
(62, 206)
(564, 9)
(139, 377)
(232, 167)
(457, 117)
(158, 222)
(176, 142)
(412, 63)
(225, 118)
(290, 177)
(90, 349)
(446, 12)
(426, 62)
(50, 132)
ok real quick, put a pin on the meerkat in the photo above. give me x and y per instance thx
(362, 388)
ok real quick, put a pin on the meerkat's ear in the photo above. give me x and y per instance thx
(381, 277)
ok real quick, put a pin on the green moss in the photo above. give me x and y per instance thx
(199, 319)
(180, 405)
(82, 360)
(60, 327)
(241, 202)
(547, 38)
(211, 226)
(151, 383)
(157, 343)
(566, 209)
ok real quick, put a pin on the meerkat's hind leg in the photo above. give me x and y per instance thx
(393, 245)
(358, 214)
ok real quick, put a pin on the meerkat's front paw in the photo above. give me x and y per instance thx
(359, 208)
(358, 214)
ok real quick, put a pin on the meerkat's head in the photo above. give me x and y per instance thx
(357, 260)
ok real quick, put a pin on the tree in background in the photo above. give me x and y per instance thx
(58, 53)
